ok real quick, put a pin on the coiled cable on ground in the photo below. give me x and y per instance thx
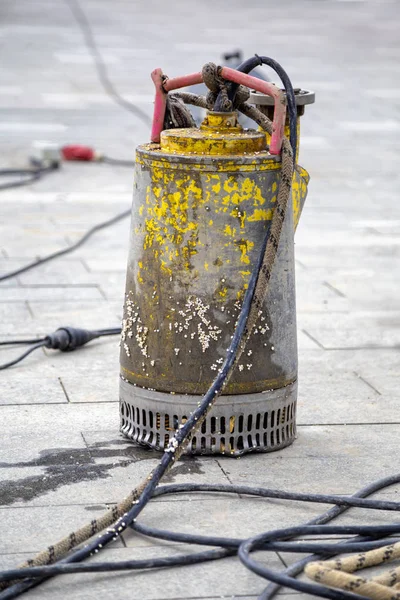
(273, 541)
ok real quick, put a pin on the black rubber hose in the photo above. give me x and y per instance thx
(22, 356)
(126, 565)
(272, 541)
(258, 542)
(28, 176)
(297, 567)
(15, 342)
(255, 61)
(65, 339)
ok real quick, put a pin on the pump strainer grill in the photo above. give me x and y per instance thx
(237, 424)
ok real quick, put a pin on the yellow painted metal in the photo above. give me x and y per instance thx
(219, 135)
(299, 192)
(146, 158)
(194, 229)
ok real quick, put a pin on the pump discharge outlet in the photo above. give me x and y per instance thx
(203, 202)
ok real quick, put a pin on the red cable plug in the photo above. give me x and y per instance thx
(75, 152)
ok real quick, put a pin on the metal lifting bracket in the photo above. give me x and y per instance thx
(164, 85)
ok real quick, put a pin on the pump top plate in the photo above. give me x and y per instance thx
(219, 135)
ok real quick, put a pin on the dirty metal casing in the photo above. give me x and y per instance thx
(203, 202)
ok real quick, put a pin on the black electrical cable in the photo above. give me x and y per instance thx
(64, 339)
(251, 63)
(22, 356)
(297, 567)
(259, 542)
(101, 69)
(15, 342)
(117, 161)
(28, 175)
(130, 565)
(294, 569)
(71, 248)
(275, 541)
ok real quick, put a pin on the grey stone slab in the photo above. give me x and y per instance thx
(388, 385)
(376, 292)
(34, 528)
(96, 315)
(324, 459)
(30, 365)
(314, 295)
(305, 342)
(95, 466)
(11, 313)
(91, 366)
(66, 272)
(17, 389)
(369, 329)
(50, 294)
(328, 396)
(230, 516)
(69, 418)
(105, 265)
(366, 362)
(95, 388)
(24, 447)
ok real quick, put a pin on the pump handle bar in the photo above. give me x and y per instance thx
(164, 85)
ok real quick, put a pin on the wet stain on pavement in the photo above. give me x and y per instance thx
(66, 466)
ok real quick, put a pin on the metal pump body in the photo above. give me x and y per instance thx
(203, 202)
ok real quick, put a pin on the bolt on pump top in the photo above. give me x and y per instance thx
(203, 202)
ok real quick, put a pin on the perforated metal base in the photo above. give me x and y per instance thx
(237, 424)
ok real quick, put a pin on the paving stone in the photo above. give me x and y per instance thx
(66, 272)
(50, 294)
(96, 315)
(22, 531)
(95, 388)
(369, 329)
(105, 265)
(24, 445)
(318, 296)
(72, 418)
(331, 459)
(342, 398)
(18, 389)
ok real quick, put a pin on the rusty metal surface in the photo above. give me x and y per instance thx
(197, 226)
